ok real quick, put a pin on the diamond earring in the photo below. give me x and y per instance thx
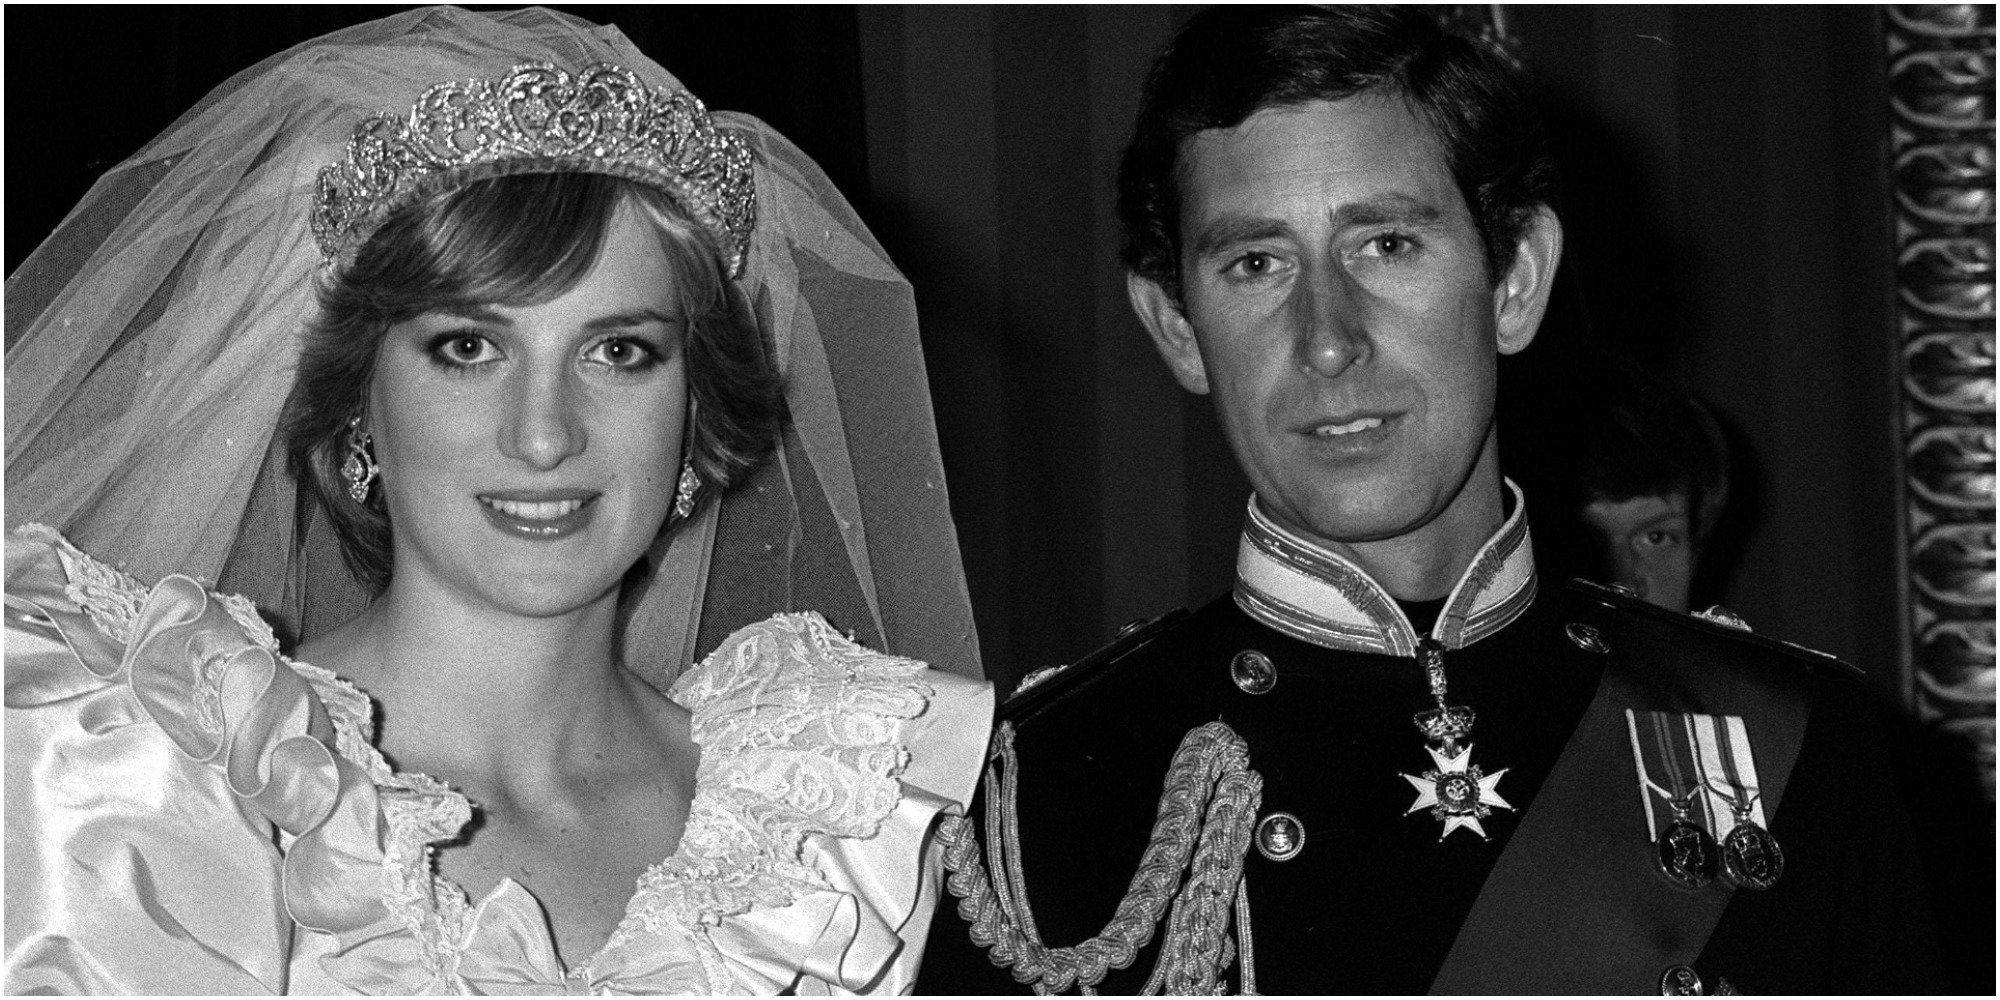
(359, 468)
(690, 484)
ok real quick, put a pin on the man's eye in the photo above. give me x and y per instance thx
(1255, 264)
(1389, 245)
(1657, 538)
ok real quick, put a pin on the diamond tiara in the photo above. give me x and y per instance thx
(540, 119)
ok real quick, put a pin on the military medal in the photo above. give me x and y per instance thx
(1685, 851)
(1751, 858)
(1455, 790)
(1706, 764)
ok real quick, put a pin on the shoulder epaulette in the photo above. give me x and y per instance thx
(1717, 621)
(1047, 682)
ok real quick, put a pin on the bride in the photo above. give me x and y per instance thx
(578, 380)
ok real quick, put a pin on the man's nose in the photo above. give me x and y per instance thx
(1327, 320)
(544, 425)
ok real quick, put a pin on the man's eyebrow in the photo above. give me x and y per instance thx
(1388, 210)
(1391, 209)
(1233, 229)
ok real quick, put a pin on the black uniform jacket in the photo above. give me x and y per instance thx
(1375, 902)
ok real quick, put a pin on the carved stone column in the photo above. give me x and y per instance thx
(1942, 162)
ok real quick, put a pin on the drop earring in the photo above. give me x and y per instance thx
(684, 494)
(359, 468)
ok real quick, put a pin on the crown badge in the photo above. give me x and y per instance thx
(538, 118)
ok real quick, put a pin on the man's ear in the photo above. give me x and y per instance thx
(1173, 337)
(1522, 296)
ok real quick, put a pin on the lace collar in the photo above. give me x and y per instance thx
(800, 730)
(1310, 592)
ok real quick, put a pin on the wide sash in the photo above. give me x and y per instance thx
(1574, 904)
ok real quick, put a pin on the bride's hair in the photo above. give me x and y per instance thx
(517, 240)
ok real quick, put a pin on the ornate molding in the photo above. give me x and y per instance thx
(1941, 165)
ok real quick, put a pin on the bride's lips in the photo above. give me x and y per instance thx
(540, 515)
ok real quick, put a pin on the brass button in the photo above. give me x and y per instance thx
(1680, 981)
(1587, 638)
(1252, 671)
(1280, 836)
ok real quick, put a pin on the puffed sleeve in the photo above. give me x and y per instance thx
(842, 758)
(898, 872)
(155, 747)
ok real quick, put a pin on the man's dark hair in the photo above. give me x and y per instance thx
(1228, 63)
(1645, 437)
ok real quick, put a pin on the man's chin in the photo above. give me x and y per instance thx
(1338, 525)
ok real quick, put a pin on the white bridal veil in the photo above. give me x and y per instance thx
(151, 342)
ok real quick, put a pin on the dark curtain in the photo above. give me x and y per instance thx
(1089, 489)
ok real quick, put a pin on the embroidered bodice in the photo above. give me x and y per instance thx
(802, 865)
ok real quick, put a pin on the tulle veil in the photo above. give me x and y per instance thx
(150, 343)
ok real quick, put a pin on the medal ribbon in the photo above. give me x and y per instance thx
(1728, 774)
(1663, 753)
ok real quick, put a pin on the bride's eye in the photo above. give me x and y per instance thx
(623, 353)
(463, 350)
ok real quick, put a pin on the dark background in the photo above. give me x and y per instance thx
(1727, 214)
(1727, 222)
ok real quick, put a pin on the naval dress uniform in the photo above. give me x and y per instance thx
(1545, 789)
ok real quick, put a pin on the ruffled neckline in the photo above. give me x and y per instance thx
(735, 854)
(800, 730)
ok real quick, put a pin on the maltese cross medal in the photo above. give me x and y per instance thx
(1456, 790)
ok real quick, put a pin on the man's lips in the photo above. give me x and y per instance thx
(1346, 425)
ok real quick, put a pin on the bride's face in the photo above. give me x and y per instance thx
(529, 454)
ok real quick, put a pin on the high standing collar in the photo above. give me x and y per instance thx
(1309, 592)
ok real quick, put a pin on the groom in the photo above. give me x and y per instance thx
(1394, 759)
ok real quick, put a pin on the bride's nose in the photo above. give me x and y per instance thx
(544, 426)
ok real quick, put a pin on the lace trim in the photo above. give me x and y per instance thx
(800, 730)
(111, 598)
(801, 733)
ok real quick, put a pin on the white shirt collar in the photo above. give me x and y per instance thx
(1310, 592)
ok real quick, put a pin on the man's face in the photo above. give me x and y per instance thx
(1337, 303)
(1649, 546)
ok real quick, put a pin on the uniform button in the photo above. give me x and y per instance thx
(1280, 836)
(1252, 671)
(1587, 638)
(1680, 981)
